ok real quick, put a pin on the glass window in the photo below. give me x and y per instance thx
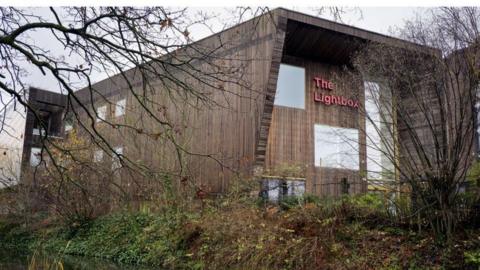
(120, 107)
(35, 156)
(36, 131)
(477, 118)
(336, 147)
(115, 160)
(68, 127)
(98, 155)
(41, 124)
(101, 113)
(290, 87)
(68, 124)
(378, 127)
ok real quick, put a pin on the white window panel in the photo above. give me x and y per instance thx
(68, 122)
(98, 155)
(115, 161)
(101, 113)
(477, 123)
(35, 156)
(290, 87)
(120, 107)
(378, 127)
(477, 105)
(336, 147)
(36, 131)
(372, 124)
(68, 127)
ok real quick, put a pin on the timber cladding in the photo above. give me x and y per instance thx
(291, 137)
(220, 134)
(239, 129)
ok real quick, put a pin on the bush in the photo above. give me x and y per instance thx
(310, 233)
(289, 202)
(369, 200)
(15, 237)
(131, 238)
(473, 257)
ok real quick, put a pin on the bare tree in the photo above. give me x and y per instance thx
(139, 49)
(147, 52)
(420, 111)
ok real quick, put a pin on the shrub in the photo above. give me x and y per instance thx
(473, 257)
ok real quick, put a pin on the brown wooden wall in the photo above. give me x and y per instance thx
(291, 137)
(242, 129)
(220, 135)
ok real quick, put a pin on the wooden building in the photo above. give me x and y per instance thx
(287, 112)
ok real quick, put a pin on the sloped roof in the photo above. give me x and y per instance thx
(333, 42)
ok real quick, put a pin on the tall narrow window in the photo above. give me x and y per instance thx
(68, 127)
(101, 113)
(336, 147)
(68, 123)
(41, 124)
(115, 159)
(290, 87)
(477, 119)
(379, 132)
(120, 107)
(35, 156)
(98, 155)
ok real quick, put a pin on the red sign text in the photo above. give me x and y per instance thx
(331, 99)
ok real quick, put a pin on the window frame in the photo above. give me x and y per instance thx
(36, 155)
(378, 165)
(339, 162)
(278, 99)
(121, 107)
(68, 126)
(98, 111)
(116, 164)
(98, 156)
(476, 129)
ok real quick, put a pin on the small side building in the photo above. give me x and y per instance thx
(45, 121)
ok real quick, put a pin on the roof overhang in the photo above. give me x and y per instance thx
(331, 42)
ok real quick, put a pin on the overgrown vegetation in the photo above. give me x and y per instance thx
(425, 112)
(304, 233)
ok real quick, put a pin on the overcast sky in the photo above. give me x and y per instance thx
(375, 19)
